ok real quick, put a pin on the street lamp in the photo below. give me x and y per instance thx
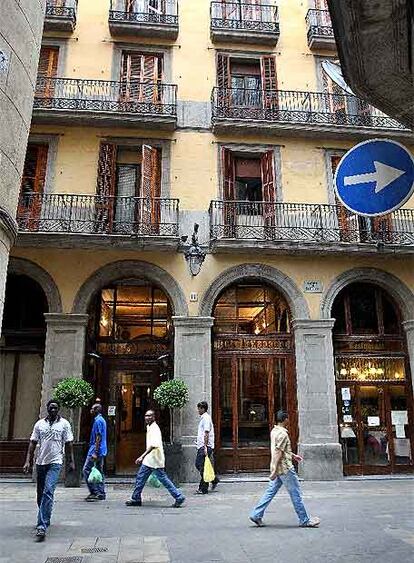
(194, 255)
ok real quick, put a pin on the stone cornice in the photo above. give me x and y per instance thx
(8, 224)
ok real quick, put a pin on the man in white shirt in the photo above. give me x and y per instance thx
(153, 461)
(205, 446)
(52, 434)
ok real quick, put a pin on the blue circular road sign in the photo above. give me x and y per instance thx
(375, 177)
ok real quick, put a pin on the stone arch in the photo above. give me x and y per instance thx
(24, 267)
(390, 283)
(125, 269)
(297, 303)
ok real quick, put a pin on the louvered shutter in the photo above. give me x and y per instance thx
(105, 187)
(336, 100)
(252, 10)
(383, 228)
(140, 77)
(346, 220)
(150, 212)
(32, 186)
(46, 72)
(269, 81)
(229, 192)
(223, 80)
(268, 188)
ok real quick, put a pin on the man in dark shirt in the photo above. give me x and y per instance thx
(96, 454)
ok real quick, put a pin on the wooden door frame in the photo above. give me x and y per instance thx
(291, 399)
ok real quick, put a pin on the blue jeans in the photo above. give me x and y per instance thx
(291, 482)
(47, 478)
(142, 476)
(94, 488)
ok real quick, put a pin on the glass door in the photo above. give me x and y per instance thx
(374, 432)
(400, 446)
(248, 392)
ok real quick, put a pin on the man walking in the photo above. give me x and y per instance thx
(153, 461)
(205, 446)
(52, 434)
(282, 472)
(96, 455)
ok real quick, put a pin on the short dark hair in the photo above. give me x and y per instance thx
(51, 401)
(281, 416)
(203, 405)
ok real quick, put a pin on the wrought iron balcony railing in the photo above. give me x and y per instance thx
(234, 16)
(319, 23)
(131, 97)
(307, 223)
(164, 12)
(97, 215)
(307, 108)
(62, 8)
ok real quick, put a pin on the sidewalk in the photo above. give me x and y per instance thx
(362, 522)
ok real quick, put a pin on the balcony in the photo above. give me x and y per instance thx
(239, 110)
(245, 23)
(320, 31)
(86, 221)
(286, 227)
(159, 19)
(60, 15)
(77, 101)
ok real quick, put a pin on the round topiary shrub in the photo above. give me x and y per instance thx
(73, 392)
(172, 394)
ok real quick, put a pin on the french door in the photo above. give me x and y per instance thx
(248, 391)
(375, 427)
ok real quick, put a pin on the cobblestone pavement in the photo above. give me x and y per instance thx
(362, 522)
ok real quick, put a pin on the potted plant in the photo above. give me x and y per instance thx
(172, 394)
(74, 393)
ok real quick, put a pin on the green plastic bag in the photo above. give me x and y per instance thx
(153, 481)
(95, 476)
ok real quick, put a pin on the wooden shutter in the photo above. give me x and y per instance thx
(150, 212)
(223, 80)
(105, 187)
(140, 76)
(269, 81)
(252, 10)
(32, 186)
(383, 228)
(47, 69)
(336, 102)
(345, 218)
(230, 10)
(229, 192)
(268, 188)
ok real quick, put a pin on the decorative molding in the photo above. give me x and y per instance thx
(395, 287)
(261, 272)
(24, 267)
(127, 269)
(8, 224)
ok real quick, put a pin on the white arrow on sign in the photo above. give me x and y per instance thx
(384, 175)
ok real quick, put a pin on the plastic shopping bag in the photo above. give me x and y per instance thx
(208, 473)
(95, 476)
(153, 481)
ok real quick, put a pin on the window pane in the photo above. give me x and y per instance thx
(399, 422)
(375, 440)
(253, 403)
(226, 406)
(363, 309)
(391, 322)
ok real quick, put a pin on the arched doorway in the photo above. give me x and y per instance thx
(21, 366)
(130, 351)
(374, 394)
(254, 373)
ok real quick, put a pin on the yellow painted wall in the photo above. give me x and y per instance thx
(71, 268)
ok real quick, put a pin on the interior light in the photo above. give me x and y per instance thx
(257, 330)
(343, 371)
(353, 371)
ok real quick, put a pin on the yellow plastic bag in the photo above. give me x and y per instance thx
(208, 473)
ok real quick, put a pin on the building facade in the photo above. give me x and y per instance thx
(151, 116)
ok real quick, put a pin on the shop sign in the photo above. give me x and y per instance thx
(111, 410)
(251, 344)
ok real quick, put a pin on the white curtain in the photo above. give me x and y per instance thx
(334, 72)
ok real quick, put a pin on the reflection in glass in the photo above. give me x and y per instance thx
(226, 407)
(375, 440)
(348, 429)
(253, 402)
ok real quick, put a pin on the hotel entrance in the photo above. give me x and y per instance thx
(374, 393)
(254, 374)
(131, 338)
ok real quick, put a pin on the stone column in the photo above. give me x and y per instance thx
(8, 232)
(409, 331)
(64, 350)
(318, 428)
(192, 363)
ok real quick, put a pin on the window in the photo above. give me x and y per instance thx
(47, 71)
(141, 73)
(32, 185)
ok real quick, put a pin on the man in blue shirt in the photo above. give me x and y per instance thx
(96, 454)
